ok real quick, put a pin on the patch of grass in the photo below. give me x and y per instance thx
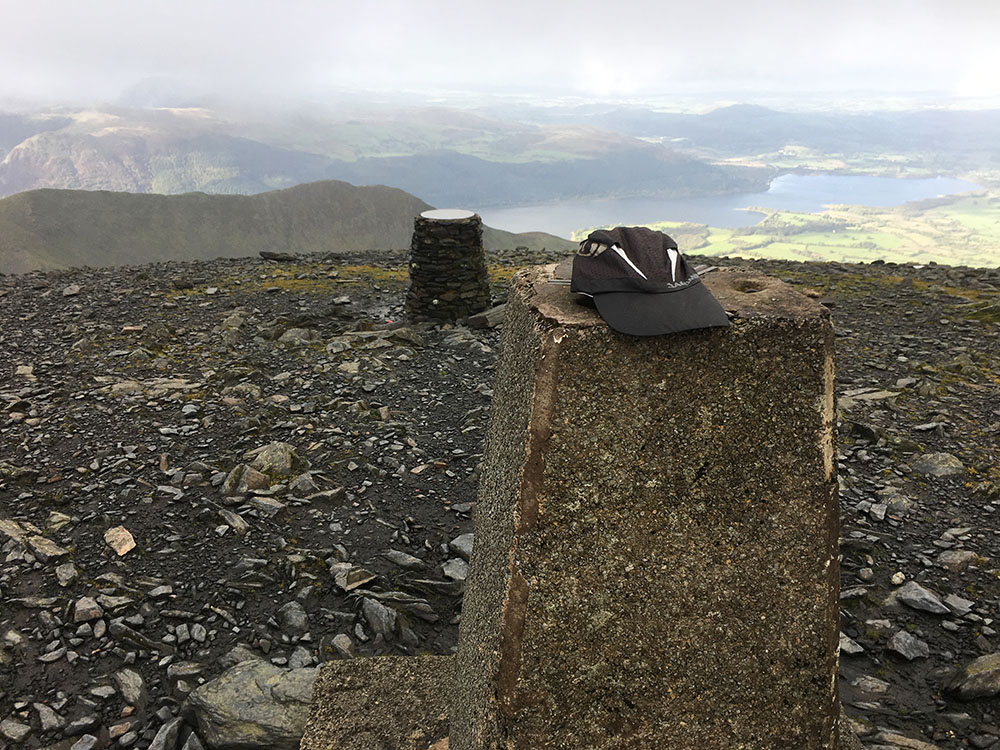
(954, 230)
(502, 274)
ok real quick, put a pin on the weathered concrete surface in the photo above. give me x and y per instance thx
(656, 535)
(380, 703)
(338, 717)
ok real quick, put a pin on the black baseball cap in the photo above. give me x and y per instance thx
(641, 284)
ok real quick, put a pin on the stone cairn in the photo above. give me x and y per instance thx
(448, 277)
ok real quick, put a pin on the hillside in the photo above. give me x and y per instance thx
(444, 154)
(42, 229)
(959, 230)
(131, 407)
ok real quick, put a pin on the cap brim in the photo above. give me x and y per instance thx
(646, 314)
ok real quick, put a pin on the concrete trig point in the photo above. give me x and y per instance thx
(656, 535)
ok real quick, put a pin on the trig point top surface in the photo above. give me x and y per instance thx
(745, 294)
(447, 214)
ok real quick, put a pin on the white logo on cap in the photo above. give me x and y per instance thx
(624, 257)
(674, 258)
(591, 249)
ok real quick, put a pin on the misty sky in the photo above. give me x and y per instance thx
(78, 50)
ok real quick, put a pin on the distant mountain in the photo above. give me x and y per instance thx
(447, 156)
(467, 180)
(159, 91)
(71, 228)
(948, 140)
(15, 129)
(154, 163)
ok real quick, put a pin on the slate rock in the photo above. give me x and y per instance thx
(237, 655)
(184, 669)
(252, 705)
(343, 644)
(956, 560)
(958, 604)
(86, 610)
(938, 465)
(869, 684)
(13, 529)
(983, 741)
(293, 618)
(303, 484)
(49, 719)
(895, 740)
(14, 730)
(45, 549)
(404, 560)
(278, 459)
(300, 337)
(462, 546)
(301, 657)
(266, 505)
(120, 540)
(381, 619)
(349, 577)
(86, 723)
(908, 646)
(980, 678)
(243, 479)
(850, 646)
(132, 687)
(168, 736)
(66, 574)
(916, 596)
(456, 569)
(235, 521)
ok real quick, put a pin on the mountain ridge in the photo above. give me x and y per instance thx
(50, 228)
(445, 155)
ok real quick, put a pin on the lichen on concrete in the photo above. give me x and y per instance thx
(398, 702)
(656, 557)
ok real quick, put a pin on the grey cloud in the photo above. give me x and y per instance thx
(62, 48)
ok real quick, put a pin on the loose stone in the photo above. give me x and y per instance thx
(980, 678)
(916, 596)
(938, 465)
(86, 610)
(120, 540)
(907, 646)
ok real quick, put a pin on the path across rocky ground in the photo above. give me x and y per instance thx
(206, 463)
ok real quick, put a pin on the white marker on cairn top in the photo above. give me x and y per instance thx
(448, 214)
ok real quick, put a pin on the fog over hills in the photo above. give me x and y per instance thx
(497, 106)
(471, 157)
(444, 155)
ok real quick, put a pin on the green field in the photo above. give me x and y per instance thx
(955, 230)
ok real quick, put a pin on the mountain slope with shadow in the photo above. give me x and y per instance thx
(47, 229)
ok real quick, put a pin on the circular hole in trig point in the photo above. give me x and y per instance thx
(747, 287)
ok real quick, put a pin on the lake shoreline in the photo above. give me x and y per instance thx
(807, 193)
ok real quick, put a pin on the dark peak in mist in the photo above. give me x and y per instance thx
(161, 92)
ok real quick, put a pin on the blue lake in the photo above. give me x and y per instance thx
(806, 193)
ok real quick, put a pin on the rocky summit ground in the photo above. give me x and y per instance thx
(263, 462)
